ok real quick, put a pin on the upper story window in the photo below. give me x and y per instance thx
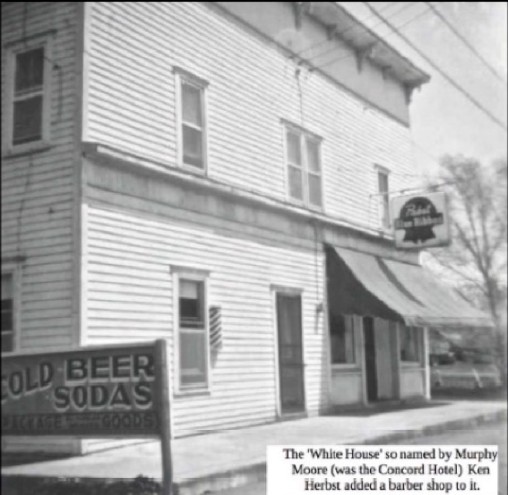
(303, 159)
(28, 108)
(384, 197)
(8, 320)
(192, 121)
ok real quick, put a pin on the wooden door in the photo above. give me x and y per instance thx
(289, 330)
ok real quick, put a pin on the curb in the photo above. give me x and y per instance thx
(439, 428)
(253, 473)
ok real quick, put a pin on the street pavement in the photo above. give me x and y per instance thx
(222, 460)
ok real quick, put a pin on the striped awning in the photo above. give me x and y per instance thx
(364, 284)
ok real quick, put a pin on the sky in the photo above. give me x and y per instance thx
(443, 121)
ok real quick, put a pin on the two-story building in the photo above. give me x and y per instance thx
(217, 175)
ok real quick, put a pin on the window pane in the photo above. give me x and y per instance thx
(295, 183)
(29, 70)
(7, 313)
(342, 339)
(293, 148)
(384, 202)
(6, 318)
(313, 155)
(191, 105)
(192, 358)
(349, 339)
(27, 120)
(382, 182)
(189, 288)
(315, 190)
(7, 290)
(191, 304)
(289, 318)
(193, 147)
(7, 342)
(385, 212)
(409, 349)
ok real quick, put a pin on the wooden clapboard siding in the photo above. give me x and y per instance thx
(129, 298)
(251, 87)
(37, 198)
(37, 189)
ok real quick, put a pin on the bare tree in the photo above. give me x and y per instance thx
(478, 253)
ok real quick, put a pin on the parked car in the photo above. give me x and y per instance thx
(477, 356)
(444, 357)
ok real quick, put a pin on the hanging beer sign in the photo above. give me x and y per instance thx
(421, 220)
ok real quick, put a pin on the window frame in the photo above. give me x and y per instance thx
(14, 271)
(304, 137)
(44, 41)
(417, 332)
(384, 198)
(184, 77)
(196, 276)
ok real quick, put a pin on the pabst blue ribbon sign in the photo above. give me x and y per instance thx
(87, 392)
(420, 221)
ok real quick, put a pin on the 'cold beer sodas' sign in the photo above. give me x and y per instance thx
(87, 392)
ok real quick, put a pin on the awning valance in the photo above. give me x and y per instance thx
(360, 283)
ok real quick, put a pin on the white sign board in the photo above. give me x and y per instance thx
(420, 220)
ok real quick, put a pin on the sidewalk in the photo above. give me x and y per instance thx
(231, 458)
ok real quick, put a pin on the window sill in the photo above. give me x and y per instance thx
(353, 367)
(27, 149)
(201, 392)
(193, 169)
(317, 209)
(306, 206)
(411, 364)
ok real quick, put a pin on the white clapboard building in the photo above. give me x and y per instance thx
(205, 173)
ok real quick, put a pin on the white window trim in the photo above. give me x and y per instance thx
(14, 270)
(200, 276)
(181, 77)
(11, 52)
(304, 135)
(379, 169)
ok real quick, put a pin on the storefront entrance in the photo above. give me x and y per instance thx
(289, 330)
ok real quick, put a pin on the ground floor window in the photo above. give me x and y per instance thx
(342, 341)
(7, 312)
(193, 347)
(409, 343)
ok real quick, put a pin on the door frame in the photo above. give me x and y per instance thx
(288, 291)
